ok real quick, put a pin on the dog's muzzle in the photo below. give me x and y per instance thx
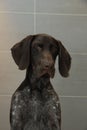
(50, 72)
(49, 69)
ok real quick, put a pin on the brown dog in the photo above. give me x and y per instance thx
(35, 105)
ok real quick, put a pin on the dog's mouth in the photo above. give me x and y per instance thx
(48, 72)
(41, 71)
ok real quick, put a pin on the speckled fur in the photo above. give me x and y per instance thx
(35, 110)
(35, 104)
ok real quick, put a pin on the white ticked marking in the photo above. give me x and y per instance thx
(54, 107)
(28, 90)
(57, 104)
(19, 106)
(16, 99)
(13, 113)
(15, 107)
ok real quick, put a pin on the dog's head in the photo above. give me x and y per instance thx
(40, 52)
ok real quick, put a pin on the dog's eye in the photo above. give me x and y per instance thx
(40, 46)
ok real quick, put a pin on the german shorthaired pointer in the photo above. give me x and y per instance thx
(35, 105)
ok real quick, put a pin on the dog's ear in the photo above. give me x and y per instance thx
(21, 52)
(64, 60)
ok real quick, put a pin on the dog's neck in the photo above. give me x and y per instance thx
(37, 82)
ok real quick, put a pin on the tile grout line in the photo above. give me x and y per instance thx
(15, 12)
(73, 96)
(7, 95)
(77, 53)
(40, 13)
(34, 16)
(60, 14)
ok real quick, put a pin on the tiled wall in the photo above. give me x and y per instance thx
(66, 20)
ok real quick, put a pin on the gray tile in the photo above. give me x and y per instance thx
(71, 30)
(64, 6)
(13, 28)
(4, 112)
(74, 115)
(10, 76)
(76, 83)
(18, 6)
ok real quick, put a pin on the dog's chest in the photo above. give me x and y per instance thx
(39, 104)
(36, 109)
(35, 103)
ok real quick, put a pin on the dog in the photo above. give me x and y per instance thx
(35, 105)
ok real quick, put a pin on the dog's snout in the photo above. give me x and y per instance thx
(47, 60)
(47, 64)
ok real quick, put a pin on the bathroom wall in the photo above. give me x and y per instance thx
(66, 20)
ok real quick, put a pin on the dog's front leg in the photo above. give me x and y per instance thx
(16, 118)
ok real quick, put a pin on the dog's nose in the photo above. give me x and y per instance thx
(47, 64)
(47, 60)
